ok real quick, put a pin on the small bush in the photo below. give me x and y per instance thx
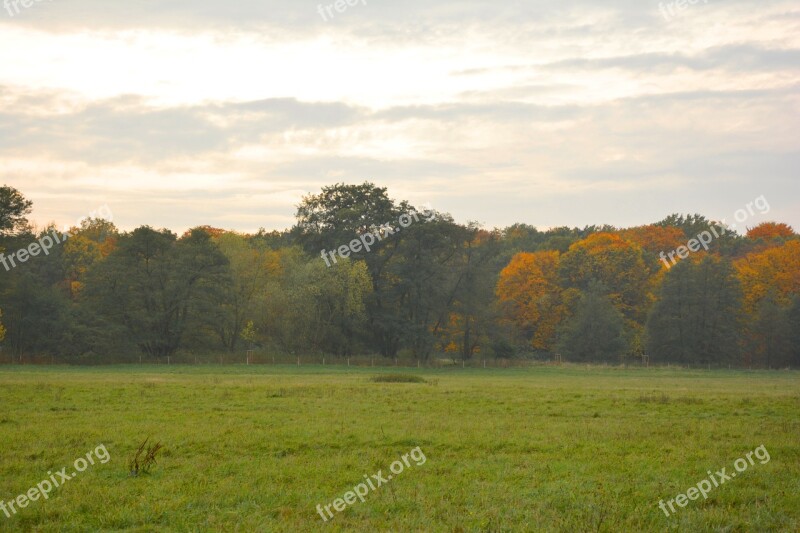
(398, 378)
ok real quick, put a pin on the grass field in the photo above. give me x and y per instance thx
(256, 448)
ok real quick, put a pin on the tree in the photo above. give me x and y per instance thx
(770, 281)
(618, 264)
(337, 216)
(30, 309)
(313, 308)
(340, 213)
(425, 281)
(473, 280)
(655, 239)
(251, 268)
(596, 331)
(776, 268)
(793, 326)
(13, 210)
(87, 245)
(529, 295)
(769, 333)
(698, 316)
(770, 231)
(153, 285)
(691, 225)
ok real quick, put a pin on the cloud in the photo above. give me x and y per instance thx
(572, 112)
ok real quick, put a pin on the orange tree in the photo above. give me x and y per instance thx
(529, 295)
(621, 267)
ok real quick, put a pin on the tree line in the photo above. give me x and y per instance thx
(432, 288)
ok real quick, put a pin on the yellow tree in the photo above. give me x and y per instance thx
(770, 281)
(530, 296)
(775, 269)
(617, 263)
(86, 246)
(621, 267)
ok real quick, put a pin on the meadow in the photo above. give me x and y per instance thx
(256, 448)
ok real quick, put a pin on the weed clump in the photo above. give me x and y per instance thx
(144, 458)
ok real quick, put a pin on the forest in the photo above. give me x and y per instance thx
(434, 288)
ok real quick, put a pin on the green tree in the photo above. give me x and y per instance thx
(251, 267)
(423, 283)
(793, 325)
(769, 334)
(153, 284)
(342, 213)
(698, 316)
(596, 330)
(14, 209)
(313, 308)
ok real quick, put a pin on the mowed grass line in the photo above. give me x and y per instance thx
(256, 448)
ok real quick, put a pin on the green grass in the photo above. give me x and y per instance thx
(256, 448)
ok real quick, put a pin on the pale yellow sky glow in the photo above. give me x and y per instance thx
(550, 115)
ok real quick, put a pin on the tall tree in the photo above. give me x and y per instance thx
(698, 316)
(252, 267)
(769, 334)
(316, 309)
(793, 326)
(153, 284)
(620, 266)
(596, 331)
(529, 295)
(14, 209)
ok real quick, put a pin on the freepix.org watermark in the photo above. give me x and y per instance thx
(703, 239)
(43, 488)
(46, 242)
(681, 5)
(704, 487)
(340, 6)
(15, 4)
(367, 240)
(362, 489)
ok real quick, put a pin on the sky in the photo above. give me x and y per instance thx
(181, 113)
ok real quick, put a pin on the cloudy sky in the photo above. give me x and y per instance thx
(179, 113)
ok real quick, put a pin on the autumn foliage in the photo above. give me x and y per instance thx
(770, 230)
(438, 289)
(529, 292)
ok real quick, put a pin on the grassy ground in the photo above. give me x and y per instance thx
(542, 449)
